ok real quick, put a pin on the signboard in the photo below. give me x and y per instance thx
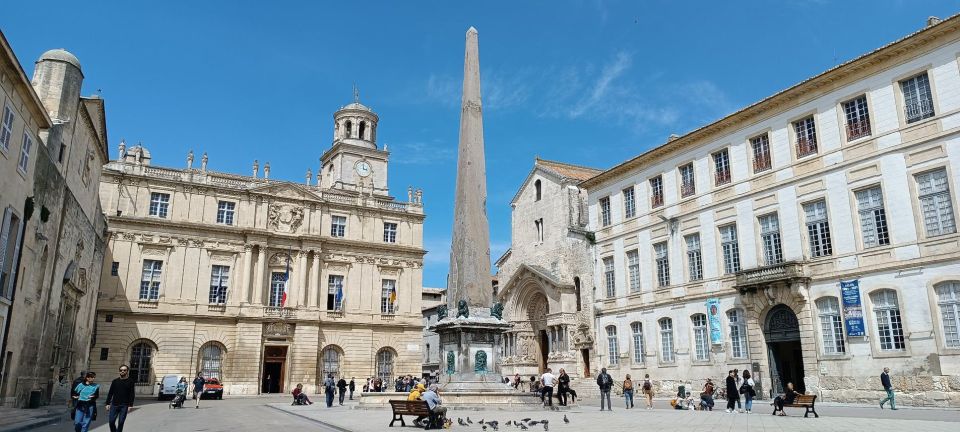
(713, 317)
(852, 309)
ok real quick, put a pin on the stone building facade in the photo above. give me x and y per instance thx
(809, 238)
(545, 278)
(55, 295)
(433, 298)
(198, 262)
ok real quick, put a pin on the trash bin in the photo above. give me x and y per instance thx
(36, 397)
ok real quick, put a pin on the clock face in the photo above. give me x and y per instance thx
(363, 168)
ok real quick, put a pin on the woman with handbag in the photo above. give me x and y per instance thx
(746, 389)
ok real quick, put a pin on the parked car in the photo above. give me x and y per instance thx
(168, 387)
(212, 389)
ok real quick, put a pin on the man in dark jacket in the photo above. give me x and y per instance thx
(120, 398)
(733, 393)
(342, 388)
(888, 387)
(352, 387)
(198, 383)
(605, 382)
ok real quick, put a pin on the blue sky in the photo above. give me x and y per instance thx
(587, 82)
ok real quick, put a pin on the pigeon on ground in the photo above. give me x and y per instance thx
(533, 423)
(481, 421)
(525, 420)
(545, 427)
(544, 421)
(468, 420)
(523, 427)
(484, 427)
(460, 422)
(509, 423)
(565, 419)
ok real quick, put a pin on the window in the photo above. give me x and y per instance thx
(663, 264)
(629, 204)
(338, 226)
(612, 345)
(886, 311)
(140, 356)
(211, 361)
(331, 362)
(385, 365)
(219, 278)
(225, 210)
(948, 298)
(936, 203)
(62, 154)
(770, 237)
(538, 224)
(738, 333)
(730, 248)
(389, 232)
(633, 270)
(656, 191)
(806, 132)
(694, 258)
(159, 203)
(609, 280)
(605, 211)
(104, 354)
(818, 229)
(115, 269)
(334, 292)
(873, 219)
(721, 166)
(150, 280)
(277, 282)
(537, 186)
(6, 127)
(666, 340)
(700, 341)
(761, 153)
(576, 287)
(108, 318)
(687, 180)
(388, 296)
(831, 325)
(858, 118)
(9, 250)
(24, 161)
(637, 329)
(917, 98)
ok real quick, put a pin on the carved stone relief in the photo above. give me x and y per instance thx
(285, 218)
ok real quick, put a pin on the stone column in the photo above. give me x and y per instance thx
(301, 278)
(257, 285)
(314, 280)
(247, 275)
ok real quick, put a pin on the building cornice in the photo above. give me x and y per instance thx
(881, 58)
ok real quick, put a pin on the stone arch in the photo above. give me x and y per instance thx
(140, 356)
(211, 358)
(385, 361)
(331, 361)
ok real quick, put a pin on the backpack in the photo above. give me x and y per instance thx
(628, 385)
(646, 385)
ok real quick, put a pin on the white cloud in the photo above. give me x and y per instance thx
(422, 153)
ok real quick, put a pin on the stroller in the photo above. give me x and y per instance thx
(178, 399)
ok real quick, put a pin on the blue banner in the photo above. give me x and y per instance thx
(713, 316)
(852, 309)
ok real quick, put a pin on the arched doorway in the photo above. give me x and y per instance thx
(782, 332)
(537, 314)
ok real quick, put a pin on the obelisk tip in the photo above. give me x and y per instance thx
(472, 29)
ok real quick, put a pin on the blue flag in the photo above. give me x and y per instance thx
(338, 300)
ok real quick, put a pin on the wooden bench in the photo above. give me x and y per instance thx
(805, 401)
(404, 407)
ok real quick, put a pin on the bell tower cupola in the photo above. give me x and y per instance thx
(355, 124)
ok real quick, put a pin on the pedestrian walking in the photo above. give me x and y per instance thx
(548, 379)
(198, 383)
(563, 387)
(353, 386)
(888, 387)
(119, 399)
(733, 392)
(605, 382)
(736, 376)
(746, 389)
(342, 389)
(329, 387)
(648, 390)
(628, 391)
(84, 397)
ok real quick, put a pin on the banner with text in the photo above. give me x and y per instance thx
(713, 316)
(852, 309)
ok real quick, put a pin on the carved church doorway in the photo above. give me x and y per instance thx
(782, 332)
(537, 314)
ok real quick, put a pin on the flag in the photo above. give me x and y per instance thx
(393, 296)
(286, 284)
(338, 300)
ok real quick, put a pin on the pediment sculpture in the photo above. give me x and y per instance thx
(285, 218)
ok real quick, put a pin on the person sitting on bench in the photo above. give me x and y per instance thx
(438, 412)
(787, 398)
(416, 395)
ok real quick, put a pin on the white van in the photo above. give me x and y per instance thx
(168, 387)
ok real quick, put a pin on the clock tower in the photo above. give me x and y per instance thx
(354, 162)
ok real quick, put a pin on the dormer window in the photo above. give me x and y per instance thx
(536, 186)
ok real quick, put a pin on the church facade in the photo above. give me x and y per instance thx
(263, 284)
(809, 238)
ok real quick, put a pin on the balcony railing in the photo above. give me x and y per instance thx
(919, 110)
(722, 177)
(279, 312)
(858, 129)
(806, 146)
(774, 273)
(687, 189)
(656, 200)
(761, 162)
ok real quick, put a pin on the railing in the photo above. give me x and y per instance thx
(216, 307)
(806, 146)
(279, 312)
(656, 200)
(687, 189)
(919, 110)
(761, 163)
(857, 129)
(722, 177)
(144, 388)
(337, 198)
(163, 173)
(392, 205)
(779, 272)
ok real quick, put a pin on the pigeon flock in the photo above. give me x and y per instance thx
(522, 424)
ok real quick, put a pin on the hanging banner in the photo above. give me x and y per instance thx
(713, 316)
(852, 309)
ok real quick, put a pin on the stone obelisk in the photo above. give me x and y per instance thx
(469, 278)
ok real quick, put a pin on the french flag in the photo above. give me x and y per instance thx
(286, 284)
